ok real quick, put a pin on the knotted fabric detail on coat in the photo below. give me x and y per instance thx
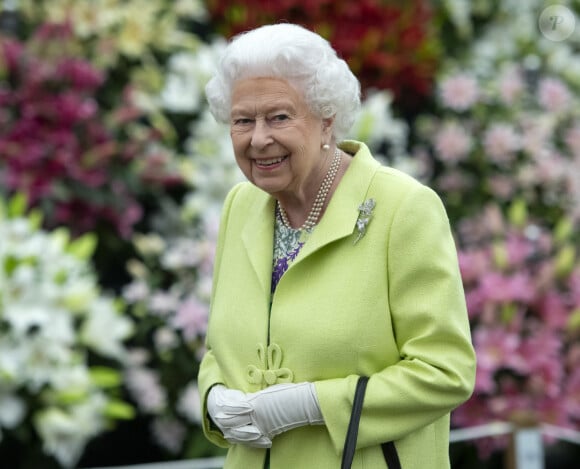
(270, 370)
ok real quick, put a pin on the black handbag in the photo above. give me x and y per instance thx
(389, 450)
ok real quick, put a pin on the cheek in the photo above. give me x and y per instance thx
(238, 143)
(243, 163)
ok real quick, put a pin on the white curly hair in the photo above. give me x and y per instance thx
(302, 58)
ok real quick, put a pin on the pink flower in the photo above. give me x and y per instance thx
(537, 133)
(454, 181)
(163, 303)
(572, 393)
(511, 85)
(502, 186)
(544, 365)
(574, 285)
(572, 139)
(501, 142)
(553, 411)
(169, 433)
(459, 92)
(191, 318)
(144, 386)
(136, 291)
(473, 412)
(553, 95)
(472, 265)
(518, 249)
(452, 143)
(553, 309)
(501, 288)
(496, 349)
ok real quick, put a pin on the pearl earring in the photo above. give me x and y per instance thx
(326, 147)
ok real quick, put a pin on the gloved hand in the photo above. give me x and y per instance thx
(230, 411)
(282, 407)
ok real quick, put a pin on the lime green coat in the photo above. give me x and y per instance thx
(390, 306)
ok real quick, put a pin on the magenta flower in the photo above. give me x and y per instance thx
(553, 309)
(86, 164)
(472, 265)
(496, 349)
(572, 393)
(520, 312)
(501, 288)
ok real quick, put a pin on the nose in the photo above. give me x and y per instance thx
(261, 135)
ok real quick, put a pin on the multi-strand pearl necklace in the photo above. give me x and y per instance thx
(316, 208)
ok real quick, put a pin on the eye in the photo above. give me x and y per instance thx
(242, 121)
(280, 117)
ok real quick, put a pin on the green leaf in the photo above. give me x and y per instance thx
(17, 205)
(500, 255)
(35, 218)
(565, 259)
(10, 264)
(83, 247)
(119, 410)
(71, 396)
(518, 213)
(574, 321)
(61, 236)
(563, 230)
(105, 377)
(508, 312)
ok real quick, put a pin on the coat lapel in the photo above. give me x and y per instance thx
(258, 238)
(340, 218)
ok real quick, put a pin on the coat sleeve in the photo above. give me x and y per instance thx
(209, 370)
(436, 370)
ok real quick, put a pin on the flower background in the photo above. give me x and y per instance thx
(113, 172)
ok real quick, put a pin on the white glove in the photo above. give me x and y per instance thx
(284, 406)
(230, 411)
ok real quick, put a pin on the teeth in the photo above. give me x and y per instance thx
(270, 161)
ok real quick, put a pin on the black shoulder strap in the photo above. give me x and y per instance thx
(391, 456)
(389, 450)
(352, 432)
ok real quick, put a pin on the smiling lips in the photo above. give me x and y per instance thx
(269, 163)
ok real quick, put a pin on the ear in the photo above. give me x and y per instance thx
(327, 126)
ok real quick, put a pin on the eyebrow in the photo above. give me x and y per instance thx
(283, 106)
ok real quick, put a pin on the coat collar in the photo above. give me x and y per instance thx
(339, 219)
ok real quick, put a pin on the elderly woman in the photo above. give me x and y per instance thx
(329, 267)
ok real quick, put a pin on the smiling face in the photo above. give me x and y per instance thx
(276, 138)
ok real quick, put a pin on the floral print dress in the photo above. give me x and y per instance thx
(287, 245)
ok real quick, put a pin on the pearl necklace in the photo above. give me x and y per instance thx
(316, 208)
